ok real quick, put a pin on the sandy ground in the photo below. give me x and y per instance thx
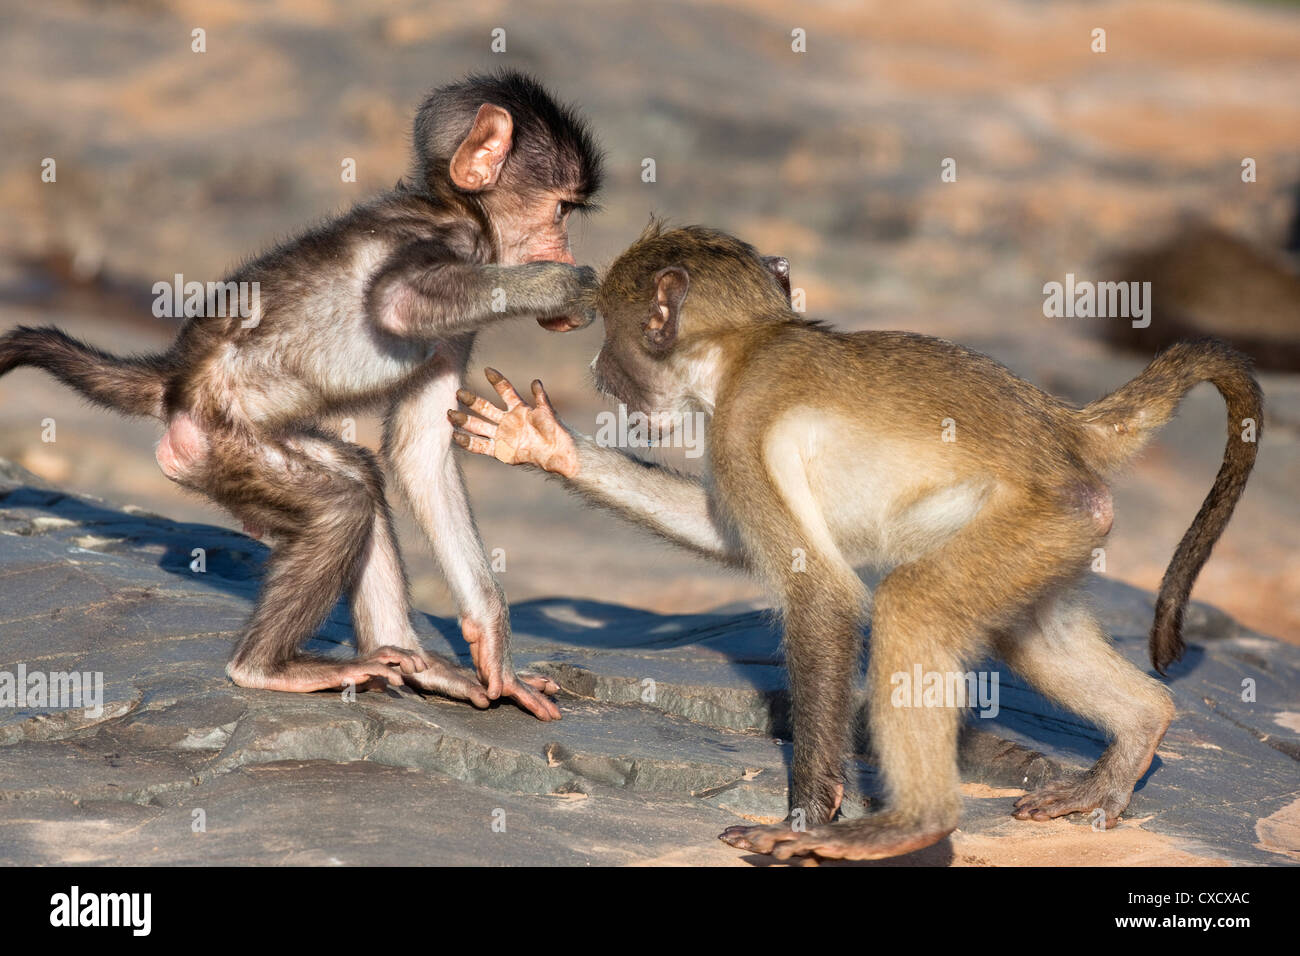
(1063, 842)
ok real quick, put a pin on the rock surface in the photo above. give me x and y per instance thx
(674, 728)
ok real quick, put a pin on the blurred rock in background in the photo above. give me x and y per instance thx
(1207, 282)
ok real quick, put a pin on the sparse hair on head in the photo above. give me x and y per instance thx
(714, 260)
(551, 140)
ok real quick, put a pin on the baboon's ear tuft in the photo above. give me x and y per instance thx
(779, 266)
(654, 228)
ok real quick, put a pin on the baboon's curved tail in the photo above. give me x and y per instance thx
(133, 386)
(1117, 426)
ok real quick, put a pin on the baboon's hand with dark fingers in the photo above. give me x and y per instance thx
(523, 434)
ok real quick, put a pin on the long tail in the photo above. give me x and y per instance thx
(133, 386)
(1117, 426)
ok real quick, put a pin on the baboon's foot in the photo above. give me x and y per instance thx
(1076, 793)
(383, 667)
(443, 677)
(872, 837)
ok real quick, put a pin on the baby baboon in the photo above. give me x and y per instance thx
(377, 308)
(827, 453)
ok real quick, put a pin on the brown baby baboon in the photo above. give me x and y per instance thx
(979, 497)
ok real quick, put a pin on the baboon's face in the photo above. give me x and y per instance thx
(657, 357)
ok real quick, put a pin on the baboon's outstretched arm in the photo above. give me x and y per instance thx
(672, 505)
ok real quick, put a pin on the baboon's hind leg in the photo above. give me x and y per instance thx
(928, 616)
(1065, 654)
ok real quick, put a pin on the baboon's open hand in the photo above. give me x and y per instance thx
(523, 434)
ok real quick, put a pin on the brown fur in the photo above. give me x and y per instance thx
(983, 540)
(133, 386)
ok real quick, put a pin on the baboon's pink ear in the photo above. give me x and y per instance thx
(477, 162)
(661, 325)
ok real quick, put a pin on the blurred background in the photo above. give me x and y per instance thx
(1122, 164)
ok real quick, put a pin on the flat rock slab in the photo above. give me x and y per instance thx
(674, 728)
